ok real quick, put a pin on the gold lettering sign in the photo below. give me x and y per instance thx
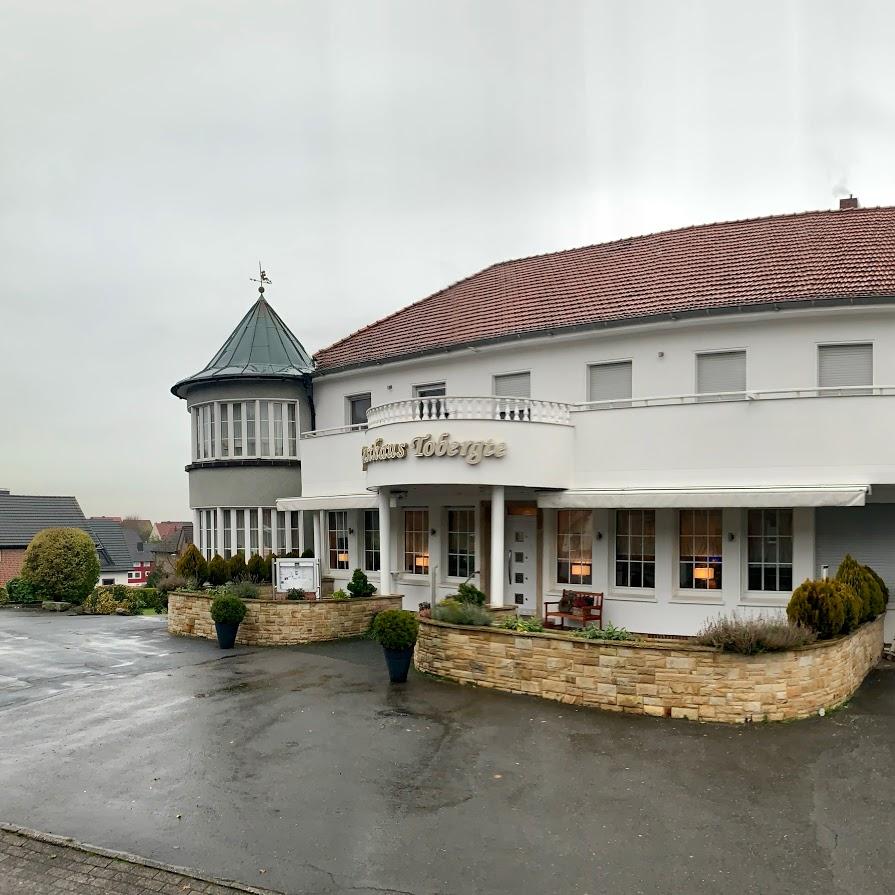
(425, 446)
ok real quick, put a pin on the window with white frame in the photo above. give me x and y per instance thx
(225, 430)
(228, 534)
(721, 373)
(237, 429)
(278, 444)
(699, 549)
(357, 407)
(296, 525)
(371, 541)
(461, 542)
(635, 548)
(609, 381)
(264, 426)
(267, 542)
(574, 546)
(250, 429)
(769, 552)
(253, 532)
(292, 413)
(513, 385)
(416, 542)
(241, 532)
(281, 533)
(337, 537)
(429, 407)
(844, 366)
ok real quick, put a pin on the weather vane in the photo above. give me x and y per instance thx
(262, 279)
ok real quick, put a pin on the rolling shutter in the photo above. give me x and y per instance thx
(867, 533)
(609, 382)
(839, 366)
(513, 385)
(722, 371)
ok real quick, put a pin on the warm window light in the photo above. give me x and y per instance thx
(343, 557)
(580, 569)
(704, 574)
(421, 562)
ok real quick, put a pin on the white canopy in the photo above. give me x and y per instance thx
(365, 501)
(654, 498)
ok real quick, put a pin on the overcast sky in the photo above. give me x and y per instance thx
(368, 153)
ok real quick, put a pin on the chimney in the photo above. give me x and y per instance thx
(850, 202)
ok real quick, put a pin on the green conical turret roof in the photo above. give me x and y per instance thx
(260, 346)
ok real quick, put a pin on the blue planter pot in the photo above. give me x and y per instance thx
(226, 634)
(398, 661)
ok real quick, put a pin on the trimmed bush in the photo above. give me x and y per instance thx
(395, 628)
(244, 590)
(255, 568)
(169, 583)
(883, 587)
(61, 564)
(227, 609)
(523, 625)
(820, 606)
(457, 612)
(860, 579)
(360, 586)
(191, 564)
(236, 567)
(20, 591)
(610, 632)
(217, 571)
(756, 634)
(469, 593)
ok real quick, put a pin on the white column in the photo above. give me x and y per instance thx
(385, 542)
(220, 537)
(498, 561)
(287, 521)
(318, 538)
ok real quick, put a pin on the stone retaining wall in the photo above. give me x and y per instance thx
(279, 622)
(664, 678)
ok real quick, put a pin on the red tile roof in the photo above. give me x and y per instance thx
(789, 258)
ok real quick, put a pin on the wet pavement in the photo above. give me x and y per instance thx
(305, 764)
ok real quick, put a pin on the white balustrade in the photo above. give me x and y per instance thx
(523, 410)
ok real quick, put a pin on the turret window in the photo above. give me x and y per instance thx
(245, 429)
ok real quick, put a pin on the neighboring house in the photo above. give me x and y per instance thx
(689, 422)
(141, 556)
(22, 516)
(115, 560)
(143, 527)
(164, 531)
(165, 553)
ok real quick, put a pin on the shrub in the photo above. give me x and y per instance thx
(340, 595)
(610, 632)
(456, 612)
(307, 553)
(395, 628)
(227, 609)
(754, 634)
(865, 585)
(151, 598)
(243, 590)
(191, 564)
(267, 568)
(61, 564)
(3, 597)
(360, 586)
(171, 582)
(255, 568)
(132, 601)
(883, 587)
(236, 567)
(20, 591)
(524, 625)
(469, 593)
(217, 571)
(295, 593)
(820, 606)
(155, 576)
(100, 602)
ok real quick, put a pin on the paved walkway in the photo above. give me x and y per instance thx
(38, 864)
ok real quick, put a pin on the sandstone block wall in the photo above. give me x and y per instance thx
(663, 678)
(279, 622)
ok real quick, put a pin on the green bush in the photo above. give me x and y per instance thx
(171, 582)
(820, 606)
(255, 568)
(20, 591)
(469, 593)
(110, 599)
(217, 571)
(295, 593)
(155, 576)
(267, 568)
(395, 628)
(884, 588)
(854, 609)
(610, 632)
(228, 609)
(307, 553)
(100, 602)
(864, 584)
(523, 625)
(456, 612)
(243, 590)
(3, 597)
(236, 567)
(61, 564)
(151, 598)
(192, 564)
(360, 586)
(754, 634)
(340, 595)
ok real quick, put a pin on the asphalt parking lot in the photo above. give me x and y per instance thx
(301, 769)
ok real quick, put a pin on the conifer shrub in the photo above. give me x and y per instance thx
(854, 610)
(469, 593)
(884, 588)
(820, 606)
(61, 564)
(255, 568)
(217, 571)
(360, 585)
(192, 564)
(865, 585)
(236, 567)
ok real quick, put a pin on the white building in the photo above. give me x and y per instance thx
(690, 422)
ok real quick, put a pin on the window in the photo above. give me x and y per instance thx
(281, 532)
(228, 535)
(371, 542)
(338, 539)
(770, 550)
(237, 430)
(277, 429)
(225, 431)
(253, 531)
(358, 405)
(721, 372)
(265, 523)
(513, 385)
(265, 430)
(429, 407)
(700, 549)
(241, 532)
(635, 548)
(209, 534)
(842, 366)
(293, 430)
(250, 428)
(461, 543)
(416, 542)
(108, 581)
(574, 546)
(609, 382)
(296, 521)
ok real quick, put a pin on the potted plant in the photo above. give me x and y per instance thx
(227, 611)
(396, 630)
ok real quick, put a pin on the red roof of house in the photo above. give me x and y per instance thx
(790, 258)
(168, 529)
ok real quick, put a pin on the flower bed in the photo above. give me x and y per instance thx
(279, 622)
(663, 678)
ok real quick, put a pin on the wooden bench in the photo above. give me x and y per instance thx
(577, 605)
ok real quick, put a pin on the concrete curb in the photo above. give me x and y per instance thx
(68, 842)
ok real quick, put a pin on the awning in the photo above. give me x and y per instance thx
(656, 498)
(365, 501)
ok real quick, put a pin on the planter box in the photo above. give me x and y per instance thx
(662, 678)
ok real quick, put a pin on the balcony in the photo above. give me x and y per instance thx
(520, 410)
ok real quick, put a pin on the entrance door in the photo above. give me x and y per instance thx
(521, 540)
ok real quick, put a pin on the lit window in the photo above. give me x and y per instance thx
(416, 542)
(770, 550)
(700, 549)
(371, 540)
(358, 405)
(461, 543)
(635, 548)
(574, 546)
(338, 539)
